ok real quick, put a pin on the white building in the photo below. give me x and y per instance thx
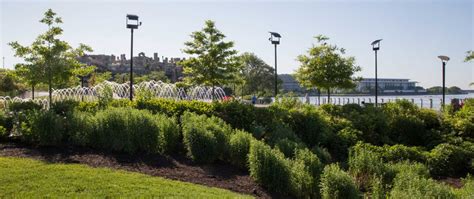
(387, 85)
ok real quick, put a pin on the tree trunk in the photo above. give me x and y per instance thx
(329, 95)
(33, 91)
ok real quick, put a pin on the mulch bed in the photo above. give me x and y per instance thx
(176, 167)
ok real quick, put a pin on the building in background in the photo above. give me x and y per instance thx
(289, 84)
(388, 85)
(141, 64)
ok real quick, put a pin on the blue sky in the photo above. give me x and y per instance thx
(414, 33)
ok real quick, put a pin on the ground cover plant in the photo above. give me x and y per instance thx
(290, 148)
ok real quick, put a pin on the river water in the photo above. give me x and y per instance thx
(424, 101)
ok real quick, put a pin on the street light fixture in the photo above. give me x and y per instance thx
(275, 39)
(132, 23)
(445, 60)
(376, 46)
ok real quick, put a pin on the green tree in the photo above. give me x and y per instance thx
(97, 77)
(7, 82)
(215, 62)
(49, 58)
(258, 76)
(83, 72)
(154, 75)
(469, 56)
(325, 67)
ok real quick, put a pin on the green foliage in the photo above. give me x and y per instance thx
(335, 183)
(237, 114)
(365, 165)
(90, 107)
(205, 138)
(81, 128)
(322, 154)
(239, 147)
(44, 128)
(325, 67)
(65, 107)
(258, 76)
(288, 147)
(411, 185)
(450, 160)
(462, 122)
(467, 189)
(49, 60)
(174, 108)
(305, 173)
(6, 121)
(269, 167)
(131, 131)
(23, 106)
(3, 133)
(412, 167)
(309, 124)
(214, 62)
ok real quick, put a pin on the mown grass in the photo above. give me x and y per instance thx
(20, 178)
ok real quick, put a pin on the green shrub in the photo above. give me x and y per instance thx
(310, 124)
(449, 160)
(335, 183)
(121, 103)
(411, 185)
(364, 165)
(24, 106)
(288, 147)
(268, 167)
(90, 107)
(342, 141)
(127, 130)
(412, 167)
(395, 153)
(205, 138)
(170, 137)
(3, 133)
(322, 154)
(279, 132)
(44, 128)
(467, 190)
(239, 147)
(462, 122)
(81, 128)
(235, 113)
(172, 107)
(64, 107)
(305, 173)
(6, 120)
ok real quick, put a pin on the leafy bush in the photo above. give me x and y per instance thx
(412, 167)
(170, 136)
(90, 107)
(239, 147)
(449, 160)
(310, 124)
(269, 167)
(24, 106)
(288, 147)
(467, 190)
(128, 130)
(364, 165)
(43, 128)
(342, 141)
(238, 115)
(323, 154)
(335, 183)
(305, 173)
(6, 120)
(205, 138)
(411, 185)
(395, 153)
(174, 108)
(65, 107)
(121, 103)
(3, 133)
(81, 128)
(462, 122)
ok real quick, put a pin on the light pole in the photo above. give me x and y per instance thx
(275, 39)
(376, 46)
(132, 23)
(445, 60)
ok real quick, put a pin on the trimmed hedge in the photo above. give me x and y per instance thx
(269, 167)
(239, 148)
(305, 173)
(336, 183)
(205, 138)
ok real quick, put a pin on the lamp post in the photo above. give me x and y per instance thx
(275, 39)
(445, 60)
(132, 23)
(375, 47)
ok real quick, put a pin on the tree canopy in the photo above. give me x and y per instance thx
(49, 59)
(258, 76)
(325, 67)
(214, 63)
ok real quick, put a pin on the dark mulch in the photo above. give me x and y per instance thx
(176, 167)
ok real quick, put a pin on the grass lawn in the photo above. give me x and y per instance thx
(21, 177)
